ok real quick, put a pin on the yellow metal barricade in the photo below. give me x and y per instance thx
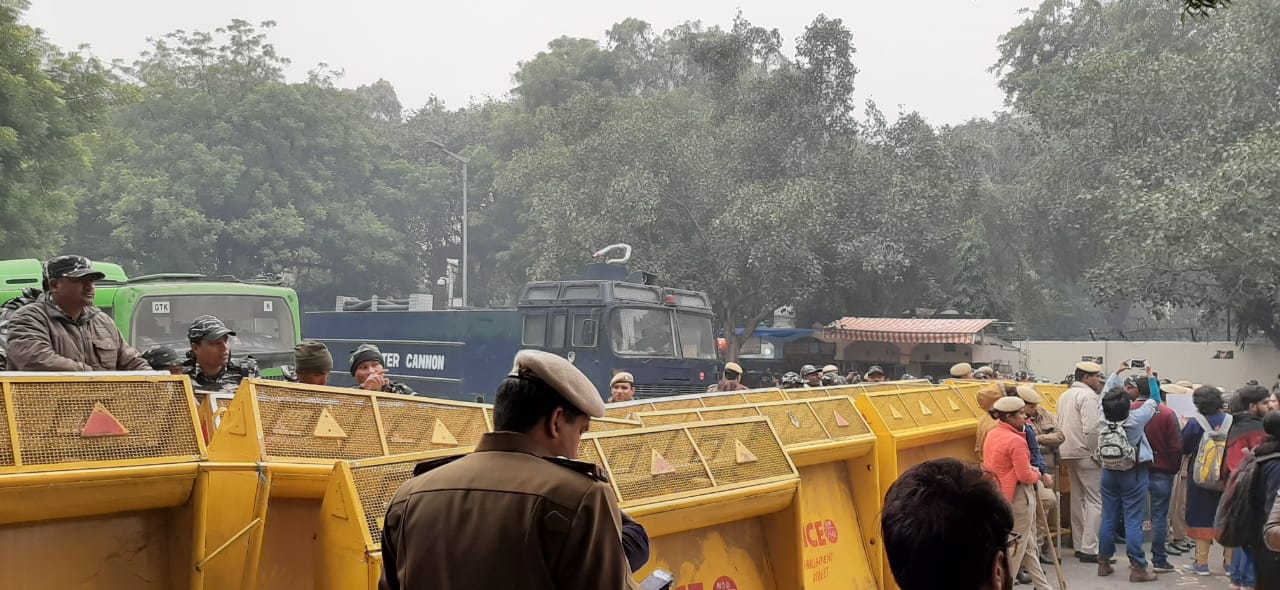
(96, 481)
(717, 498)
(274, 451)
(349, 542)
(625, 410)
(916, 425)
(840, 498)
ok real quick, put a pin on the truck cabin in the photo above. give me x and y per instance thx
(665, 337)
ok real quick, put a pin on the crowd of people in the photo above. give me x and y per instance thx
(59, 329)
(1198, 479)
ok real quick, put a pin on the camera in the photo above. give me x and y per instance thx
(1138, 363)
(658, 580)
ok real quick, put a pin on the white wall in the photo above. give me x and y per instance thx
(1192, 361)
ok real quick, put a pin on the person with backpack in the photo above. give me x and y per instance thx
(1266, 548)
(1125, 456)
(1205, 435)
(1249, 404)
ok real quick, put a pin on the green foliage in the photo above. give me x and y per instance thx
(50, 102)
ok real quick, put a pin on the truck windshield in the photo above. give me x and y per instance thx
(642, 332)
(262, 324)
(697, 341)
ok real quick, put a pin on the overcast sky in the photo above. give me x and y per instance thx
(926, 55)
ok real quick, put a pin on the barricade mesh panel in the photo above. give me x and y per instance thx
(828, 408)
(759, 457)
(712, 401)
(632, 464)
(51, 417)
(676, 404)
(894, 413)
(587, 453)
(6, 442)
(718, 414)
(375, 486)
(291, 419)
(806, 393)
(411, 425)
(624, 411)
(757, 397)
(923, 408)
(607, 425)
(795, 423)
(664, 419)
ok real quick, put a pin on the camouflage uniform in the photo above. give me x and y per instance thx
(368, 352)
(29, 295)
(207, 327)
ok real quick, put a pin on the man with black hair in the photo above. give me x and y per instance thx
(951, 516)
(1248, 406)
(63, 331)
(1124, 491)
(209, 363)
(522, 498)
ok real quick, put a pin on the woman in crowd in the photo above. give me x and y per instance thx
(1202, 503)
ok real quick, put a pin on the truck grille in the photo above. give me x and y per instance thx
(647, 391)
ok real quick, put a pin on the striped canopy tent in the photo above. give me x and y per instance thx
(906, 330)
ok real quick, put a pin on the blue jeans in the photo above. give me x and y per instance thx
(1124, 495)
(1242, 572)
(1160, 484)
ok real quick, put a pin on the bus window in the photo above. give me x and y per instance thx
(262, 324)
(697, 341)
(642, 332)
(557, 331)
(535, 330)
(584, 331)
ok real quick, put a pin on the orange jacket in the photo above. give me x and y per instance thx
(1007, 456)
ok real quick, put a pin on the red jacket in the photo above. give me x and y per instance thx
(1006, 455)
(1165, 438)
(1246, 433)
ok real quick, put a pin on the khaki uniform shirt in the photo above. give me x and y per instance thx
(42, 338)
(504, 517)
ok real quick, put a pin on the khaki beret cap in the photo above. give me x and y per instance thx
(1089, 367)
(1175, 389)
(1183, 383)
(830, 369)
(622, 377)
(960, 370)
(735, 367)
(1029, 394)
(563, 377)
(984, 370)
(1009, 404)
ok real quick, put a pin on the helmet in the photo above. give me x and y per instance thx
(1022, 376)
(791, 379)
(907, 377)
(808, 370)
(829, 379)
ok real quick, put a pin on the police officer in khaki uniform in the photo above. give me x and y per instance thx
(516, 513)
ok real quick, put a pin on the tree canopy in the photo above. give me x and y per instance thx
(1129, 185)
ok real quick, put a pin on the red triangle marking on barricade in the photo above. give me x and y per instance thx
(102, 423)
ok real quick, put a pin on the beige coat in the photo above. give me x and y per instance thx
(1078, 411)
(504, 517)
(42, 338)
(1048, 435)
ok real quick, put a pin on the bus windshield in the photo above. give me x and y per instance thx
(697, 338)
(642, 332)
(262, 324)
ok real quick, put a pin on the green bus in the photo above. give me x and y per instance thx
(157, 309)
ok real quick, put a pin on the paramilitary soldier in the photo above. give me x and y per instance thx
(539, 521)
(209, 364)
(63, 331)
(366, 367)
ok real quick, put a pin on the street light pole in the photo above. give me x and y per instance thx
(464, 160)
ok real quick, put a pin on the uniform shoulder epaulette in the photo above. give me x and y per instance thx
(426, 466)
(588, 469)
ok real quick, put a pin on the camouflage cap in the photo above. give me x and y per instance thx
(363, 354)
(71, 267)
(312, 357)
(161, 357)
(208, 328)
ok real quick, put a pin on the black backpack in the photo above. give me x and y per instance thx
(1239, 519)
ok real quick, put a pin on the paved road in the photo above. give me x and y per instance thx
(1082, 576)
